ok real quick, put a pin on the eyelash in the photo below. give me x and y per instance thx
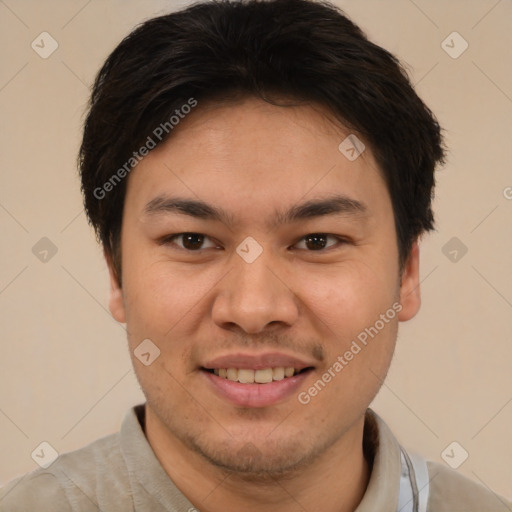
(167, 240)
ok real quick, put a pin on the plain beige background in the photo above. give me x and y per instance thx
(65, 372)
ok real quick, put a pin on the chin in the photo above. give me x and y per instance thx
(256, 459)
(253, 462)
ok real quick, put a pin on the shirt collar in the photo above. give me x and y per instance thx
(384, 485)
(148, 479)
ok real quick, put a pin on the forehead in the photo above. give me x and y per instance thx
(251, 153)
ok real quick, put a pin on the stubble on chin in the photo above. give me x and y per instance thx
(262, 461)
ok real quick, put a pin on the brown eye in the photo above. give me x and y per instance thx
(190, 241)
(318, 241)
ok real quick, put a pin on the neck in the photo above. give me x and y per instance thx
(334, 482)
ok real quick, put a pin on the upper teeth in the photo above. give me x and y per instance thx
(250, 376)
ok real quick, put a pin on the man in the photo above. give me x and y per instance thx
(259, 175)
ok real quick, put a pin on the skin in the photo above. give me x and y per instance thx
(252, 158)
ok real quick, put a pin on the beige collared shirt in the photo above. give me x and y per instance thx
(120, 473)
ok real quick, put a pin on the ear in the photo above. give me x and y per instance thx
(410, 297)
(116, 301)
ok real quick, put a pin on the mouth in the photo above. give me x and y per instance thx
(252, 380)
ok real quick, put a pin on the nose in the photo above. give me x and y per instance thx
(255, 296)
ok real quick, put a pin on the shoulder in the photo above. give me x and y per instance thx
(39, 490)
(70, 483)
(451, 491)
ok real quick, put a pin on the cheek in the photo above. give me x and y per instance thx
(165, 302)
(349, 297)
(158, 305)
(356, 314)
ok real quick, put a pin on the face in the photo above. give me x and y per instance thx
(260, 284)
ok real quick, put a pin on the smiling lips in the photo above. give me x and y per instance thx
(259, 368)
(256, 380)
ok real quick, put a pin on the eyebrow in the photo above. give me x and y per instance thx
(339, 205)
